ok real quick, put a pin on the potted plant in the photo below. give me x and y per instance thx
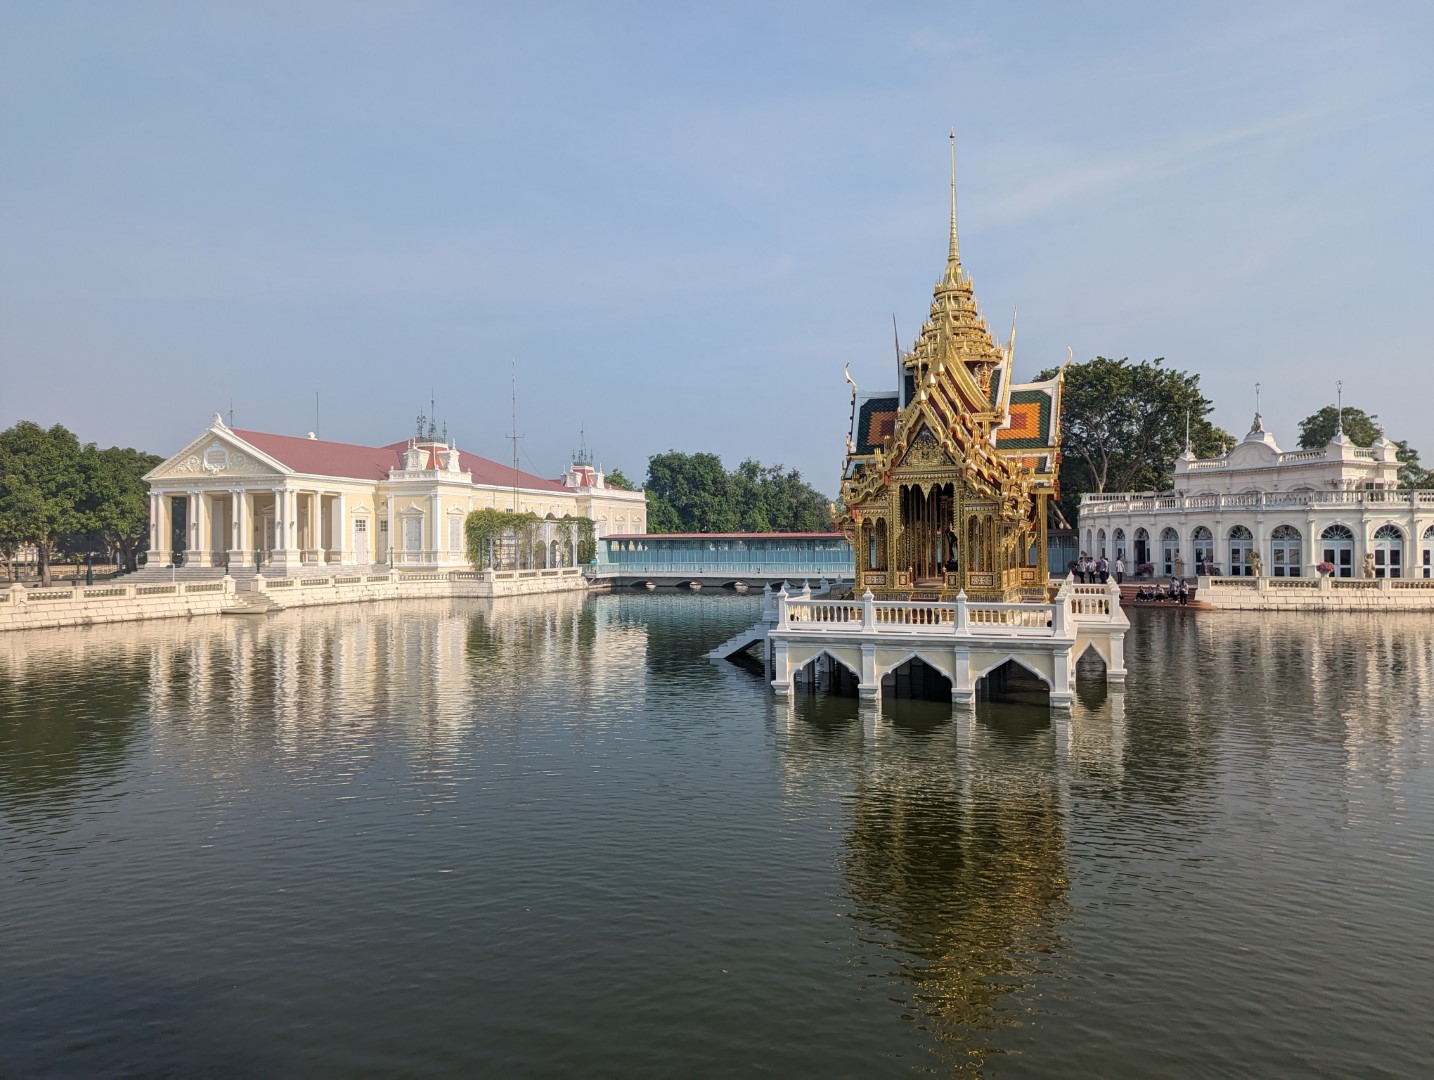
(1324, 569)
(1144, 569)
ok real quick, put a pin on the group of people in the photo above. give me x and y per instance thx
(1097, 571)
(1178, 591)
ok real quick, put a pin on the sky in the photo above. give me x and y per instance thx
(672, 225)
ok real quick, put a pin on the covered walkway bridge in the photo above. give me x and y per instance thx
(723, 560)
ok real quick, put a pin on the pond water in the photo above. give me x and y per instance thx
(547, 838)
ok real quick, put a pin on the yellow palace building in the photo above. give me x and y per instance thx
(248, 499)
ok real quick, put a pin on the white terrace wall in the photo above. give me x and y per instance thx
(1317, 594)
(22, 608)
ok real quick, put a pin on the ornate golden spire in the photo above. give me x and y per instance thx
(953, 256)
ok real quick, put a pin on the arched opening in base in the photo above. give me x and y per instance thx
(916, 679)
(1013, 684)
(827, 674)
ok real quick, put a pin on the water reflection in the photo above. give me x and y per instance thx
(954, 858)
(67, 723)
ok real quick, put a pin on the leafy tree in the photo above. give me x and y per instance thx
(1123, 425)
(40, 477)
(693, 493)
(115, 500)
(689, 493)
(617, 479)
(1317, 429)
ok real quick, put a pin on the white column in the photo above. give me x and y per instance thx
(388, 556)
(237, 554)
(191, 528)
(438, 541)
(156, 527)
(342, 538)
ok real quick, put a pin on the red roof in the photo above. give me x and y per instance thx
(727, 536)
(320, 458)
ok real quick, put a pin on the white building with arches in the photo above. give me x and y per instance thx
(1261, 511)
(245, 499)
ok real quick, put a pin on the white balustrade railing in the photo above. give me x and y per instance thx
(1074, 604)
(1109, 505)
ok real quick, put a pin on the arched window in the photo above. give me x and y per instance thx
(1203, 541)
(1242, 544)
(1426, 564)
(1388, 551)
(1169, 552)
(1120, 543)
(1142, 547)
(1099, 543)
(1336, 545)
(1286, 551)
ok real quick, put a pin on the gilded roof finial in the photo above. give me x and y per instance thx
(953, 257)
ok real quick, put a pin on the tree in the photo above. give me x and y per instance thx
(693, 493)
(1123, 425)
(616, 479)
(689, 493)
(115, 501)
(1317, 429)
(40, 481)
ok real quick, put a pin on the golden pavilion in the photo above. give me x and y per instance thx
(948, 480)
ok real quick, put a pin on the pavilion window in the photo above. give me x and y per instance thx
(1388, 552)
(1242, 544)
(1286, 551)
(1169, 551)
(1337, 547)
(1203, 542)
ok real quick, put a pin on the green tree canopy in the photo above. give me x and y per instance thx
(694, 493)
(1123, 425)
(1317, 429)
(115, 499)
(40, 479)
(618, 479)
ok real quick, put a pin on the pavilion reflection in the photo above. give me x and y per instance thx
(955, 858)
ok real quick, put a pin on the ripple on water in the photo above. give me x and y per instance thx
(549, 838)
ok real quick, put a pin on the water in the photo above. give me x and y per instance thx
(549, 839)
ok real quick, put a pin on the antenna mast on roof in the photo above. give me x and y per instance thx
(515, 436)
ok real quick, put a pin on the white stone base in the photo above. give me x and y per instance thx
(22, 608)
(1317, 594)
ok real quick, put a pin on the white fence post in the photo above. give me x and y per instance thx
(868, 611)
(963, 619)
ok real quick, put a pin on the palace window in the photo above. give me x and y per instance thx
(1337, 546)
(1203, 542)
(1286, 551)
(1169, 552)
(1119, 543)
(1427, 564)
(1242, 545)
(1388, 552)
(1142, 547)
(1100, 543)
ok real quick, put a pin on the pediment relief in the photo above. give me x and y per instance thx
(214, 456)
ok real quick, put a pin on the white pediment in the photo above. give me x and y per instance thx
(218, 453)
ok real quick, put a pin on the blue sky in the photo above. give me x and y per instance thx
(680, 221)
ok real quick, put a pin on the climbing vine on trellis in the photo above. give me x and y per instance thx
(495, 538)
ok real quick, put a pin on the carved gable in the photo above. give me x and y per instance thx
(216, 455)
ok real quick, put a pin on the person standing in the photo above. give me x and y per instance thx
(1120, 569)
(1102, 569)
(1184, 592)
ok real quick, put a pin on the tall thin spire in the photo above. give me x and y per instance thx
(953, 256)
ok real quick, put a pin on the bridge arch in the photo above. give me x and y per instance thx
(842, 679)
(915, 676)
